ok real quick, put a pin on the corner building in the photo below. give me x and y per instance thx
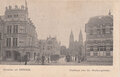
(20, 35)
(99, 39)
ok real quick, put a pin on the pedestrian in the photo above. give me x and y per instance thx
(25, 59)
(48, 59)
(79, 59)
(43, 60)
(68, 58)
(38, 60)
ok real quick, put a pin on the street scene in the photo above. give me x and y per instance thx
(65, 35)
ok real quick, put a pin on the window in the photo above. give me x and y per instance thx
(103, 31)
(101, 48)
(111, 30)
(104, 48)
(91, 32)
(111, 48)
(95, 54)
(0, 36)
(16, 15)
(15, 42)
(8, 42)
(91, 48)
(43, 47)
(107, 53)
(98, 48)
(9, 16)
(49, 47)
(98, 31)
(9, 29)
(8, 54)
(88, 54)
(15, 29)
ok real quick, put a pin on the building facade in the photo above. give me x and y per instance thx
(99, 39)
(49, 47)
(19, 34)
(63, 50)
(1, 36)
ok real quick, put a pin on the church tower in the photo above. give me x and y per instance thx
(71, 40)
(80, 38)
(109, 12)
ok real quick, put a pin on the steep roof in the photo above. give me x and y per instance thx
(101, 19)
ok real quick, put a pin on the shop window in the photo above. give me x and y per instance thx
(91, 48)
(108, 54)
(95, 54)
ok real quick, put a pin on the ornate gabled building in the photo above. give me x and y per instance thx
(19, 34)
(99, 39)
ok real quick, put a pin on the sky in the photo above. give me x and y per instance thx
(58, 18)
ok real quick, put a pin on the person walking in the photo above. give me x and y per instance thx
(26, 59)
(43, 60)
(38, 60)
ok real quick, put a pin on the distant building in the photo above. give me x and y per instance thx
(63, 50)
(49, 47)
(99, 39)
(76, 48)
(1, 36)
(19, 34)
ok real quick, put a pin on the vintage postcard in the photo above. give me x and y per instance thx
(59, 38)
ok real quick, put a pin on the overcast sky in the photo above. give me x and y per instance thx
(58, 18)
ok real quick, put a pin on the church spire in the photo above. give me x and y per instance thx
(72, 36)
(26, 4)
(71, 39)
(109, 12)
(80, 37)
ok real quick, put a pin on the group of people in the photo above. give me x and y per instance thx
(38, 60)
(42, 59)
(74, 58)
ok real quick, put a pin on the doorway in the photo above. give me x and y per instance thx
(16, 56)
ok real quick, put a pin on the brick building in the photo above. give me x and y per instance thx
(99, 39)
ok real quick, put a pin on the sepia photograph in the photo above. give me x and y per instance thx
(45, 33)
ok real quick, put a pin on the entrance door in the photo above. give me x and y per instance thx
(16, 56)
